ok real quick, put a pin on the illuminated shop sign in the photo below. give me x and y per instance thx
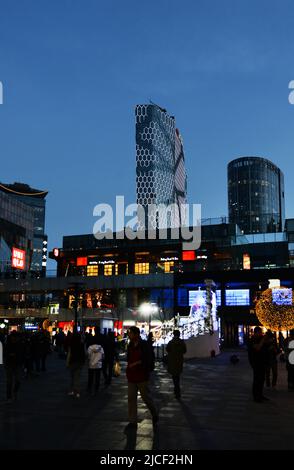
(107, 262)
(173, 258)
(188, 255)
(82, 261)
(246, 261)
(18, 258)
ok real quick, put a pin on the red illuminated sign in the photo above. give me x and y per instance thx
(18, 258)
(82, 261)
(188, 255)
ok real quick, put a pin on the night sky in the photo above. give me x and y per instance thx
(73, 71)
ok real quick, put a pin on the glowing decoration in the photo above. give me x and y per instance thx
(272, 315)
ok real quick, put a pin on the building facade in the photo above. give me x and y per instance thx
(16, 233)
(160, 165)
(35, 200)
(256, 195)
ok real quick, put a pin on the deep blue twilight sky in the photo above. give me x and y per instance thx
(73, 71)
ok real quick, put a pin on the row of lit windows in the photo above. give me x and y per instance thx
(140, 268)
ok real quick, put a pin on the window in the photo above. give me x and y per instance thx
(169, 266)
(108, 270)
(141, 268)
(92, 270)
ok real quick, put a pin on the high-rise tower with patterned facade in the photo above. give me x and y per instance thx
(160, 164)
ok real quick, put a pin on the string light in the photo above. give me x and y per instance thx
(272, 316)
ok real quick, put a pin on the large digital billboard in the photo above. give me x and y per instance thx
(282, 296)
(236, 297)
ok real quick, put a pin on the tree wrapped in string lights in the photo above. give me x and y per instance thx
(276, 316)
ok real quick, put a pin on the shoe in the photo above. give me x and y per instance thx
(71, 394)
(78, 395)
(155, 420)
(131, 426)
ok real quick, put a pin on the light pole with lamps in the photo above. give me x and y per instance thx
(148, 309)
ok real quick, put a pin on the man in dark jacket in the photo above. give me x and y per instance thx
(176, 349)
(13, 360)
(138, 370)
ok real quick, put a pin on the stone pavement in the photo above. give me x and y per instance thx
(216, 411)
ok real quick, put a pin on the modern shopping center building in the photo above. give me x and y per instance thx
(111, 279)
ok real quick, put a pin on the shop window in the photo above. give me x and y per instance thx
(169, 266)
(141, 268)
(108, 269)
(92, 270)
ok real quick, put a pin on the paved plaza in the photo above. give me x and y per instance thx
(216, 411)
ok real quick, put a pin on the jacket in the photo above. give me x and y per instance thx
(176, 349)
(141, 353)
(95, 356)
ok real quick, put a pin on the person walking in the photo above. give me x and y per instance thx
(75, 362)
(138, 370)
(257, 356)
(289, 363)
(13, 362)
(272, 352)
(176, 348)
(95, 354)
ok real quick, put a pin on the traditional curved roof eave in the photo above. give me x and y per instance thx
(41, 194)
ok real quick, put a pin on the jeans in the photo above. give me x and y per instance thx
(13, 381)
(75, 374)
(258, 381)
(273, 367)
(143, 388)
(177, 390)
(94, 377)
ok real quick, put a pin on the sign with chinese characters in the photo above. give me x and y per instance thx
(18, 258)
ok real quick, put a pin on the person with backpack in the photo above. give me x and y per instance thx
(95, 354)
(138, 370)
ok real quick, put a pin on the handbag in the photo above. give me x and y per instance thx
(116, 369)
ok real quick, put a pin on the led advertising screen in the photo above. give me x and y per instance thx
(282, 296)
(237, 297)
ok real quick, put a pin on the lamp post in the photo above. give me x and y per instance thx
(77, 289)
(147, 309)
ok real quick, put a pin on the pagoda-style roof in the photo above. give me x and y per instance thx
(22, 189)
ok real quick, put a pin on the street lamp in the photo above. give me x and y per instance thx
(148, 309)
(77, 289)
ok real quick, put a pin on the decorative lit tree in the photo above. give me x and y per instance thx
(274, 316)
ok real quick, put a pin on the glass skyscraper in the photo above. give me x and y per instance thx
(35, 200)
(160, 164)
(256, 195)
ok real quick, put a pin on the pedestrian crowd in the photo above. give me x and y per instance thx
(25, 355)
